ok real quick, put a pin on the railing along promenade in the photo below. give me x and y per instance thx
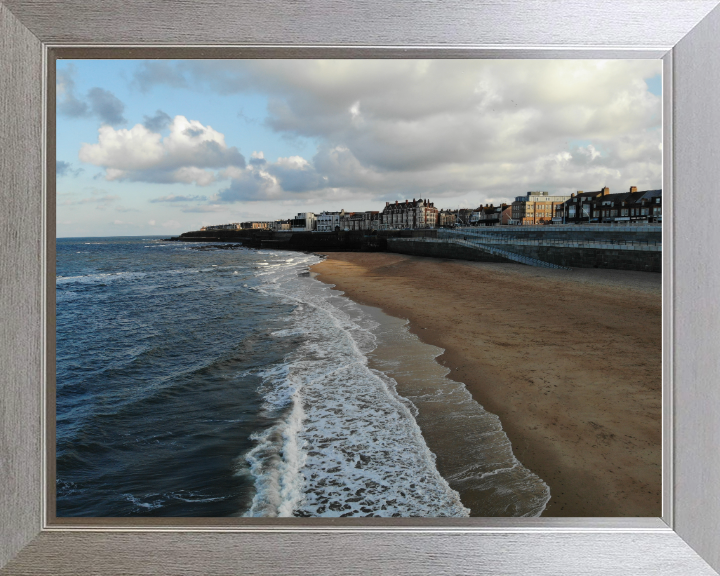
(476, 244)
(499, 241)
(505, 237)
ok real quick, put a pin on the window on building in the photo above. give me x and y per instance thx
(624, 212)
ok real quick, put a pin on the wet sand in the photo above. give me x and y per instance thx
(569, 360)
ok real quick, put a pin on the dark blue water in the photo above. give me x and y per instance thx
(156, 394)
(213, 380)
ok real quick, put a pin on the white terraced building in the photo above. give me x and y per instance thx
(328, 221)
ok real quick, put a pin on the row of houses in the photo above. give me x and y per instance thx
(602, 206)
(535, 208)
(415, 213)
(588, 207)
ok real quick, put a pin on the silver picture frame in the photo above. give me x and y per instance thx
(685, 34)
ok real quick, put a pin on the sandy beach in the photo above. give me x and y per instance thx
(569, 360)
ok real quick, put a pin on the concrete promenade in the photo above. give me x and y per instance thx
(595, 246)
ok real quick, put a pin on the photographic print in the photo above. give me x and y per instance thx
(358, 288)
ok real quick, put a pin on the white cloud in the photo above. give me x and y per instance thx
(589, 151)
(190, 153)
(388, 129)
(291, 177)
(98, 198)
(178, 198)
(124, 150)
(99, 102)
(485, 128)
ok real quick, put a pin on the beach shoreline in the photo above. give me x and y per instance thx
(569, 360)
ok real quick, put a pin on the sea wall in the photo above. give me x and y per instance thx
(627, 258)
(441, 250)
(616, 258)
(578, 233)
(589, 246)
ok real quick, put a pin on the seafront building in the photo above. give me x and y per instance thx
(257, 225)
(506, 215)
(409, 214)
(231, 226)
(447, 218)
(369, 220)
(490, 215)
(604, 207)
(282, 225)
(329, 221)
(535, 208)
(303, 222)
(463, 216)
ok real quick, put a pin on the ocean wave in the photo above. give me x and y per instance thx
(98, 278)
(347, 444)
(105, 278)
(153, 501)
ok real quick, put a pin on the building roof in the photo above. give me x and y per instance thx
(651, 194)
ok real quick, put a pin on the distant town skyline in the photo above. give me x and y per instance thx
(161, 147)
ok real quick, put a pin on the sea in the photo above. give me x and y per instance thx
(213, 380)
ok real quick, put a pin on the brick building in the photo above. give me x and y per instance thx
(369, 220)
(257, 225)
(535, 208)
(490, 215)
(602, 206)
(447, 218)
(232, 226)
(409, 214)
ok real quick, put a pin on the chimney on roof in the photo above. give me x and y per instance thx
(633, 189)
(605, 191)
(572, 195)
(387, 204)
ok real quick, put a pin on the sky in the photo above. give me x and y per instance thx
(160, 147)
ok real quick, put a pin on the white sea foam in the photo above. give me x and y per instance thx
(140, 504)
(447, 411)
(115, 276)
(97, 278)
(345, 444)
(154, 500)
